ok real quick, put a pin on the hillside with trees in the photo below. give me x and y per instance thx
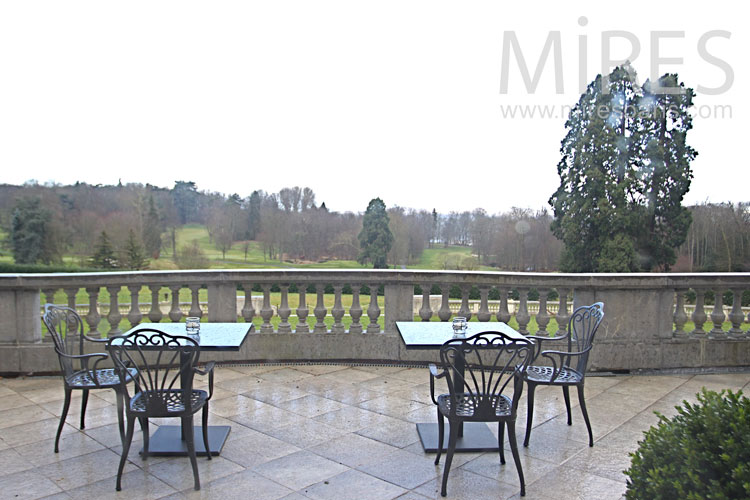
(137, 226)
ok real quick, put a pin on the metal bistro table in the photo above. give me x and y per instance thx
(167, 440)
(474, 436)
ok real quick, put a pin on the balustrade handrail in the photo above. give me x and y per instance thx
(379, 276)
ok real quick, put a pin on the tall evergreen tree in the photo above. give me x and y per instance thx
(104, 254)
(135, 254)
(152, 230)
(617, 208)
(185, 198)
(376, 238)
(664, 168)
(31, 233)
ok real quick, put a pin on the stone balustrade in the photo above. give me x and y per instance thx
(644, 327)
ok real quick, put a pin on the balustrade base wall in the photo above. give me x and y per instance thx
(608, 354)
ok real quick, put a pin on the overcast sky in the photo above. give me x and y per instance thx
(398, 99)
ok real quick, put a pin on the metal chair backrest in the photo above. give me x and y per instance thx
(164, 363)
(489, 361)
(581, 331)
(65, 327)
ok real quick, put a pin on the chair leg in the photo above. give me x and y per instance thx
(145, 432)
(120, 420)
(516, 458)
(449, 455)
(84, 402)
(66, 407)
(441, 433)
(585, 414)
(187, 424)
(125, 451)
(566, 396)
(501, 440)
(529, 414)
(205, 430)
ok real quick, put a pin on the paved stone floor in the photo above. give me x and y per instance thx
(332, 432)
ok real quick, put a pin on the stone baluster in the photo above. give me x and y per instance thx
(425, 312)
(522, 315)
(71, 293)
(717, 316)
(355, 311)
(680, 317)
(736, 315)
(154, 314)
(93, 318)
(337, 311)
(49, 297)
(542, 317)
(134, 315)
(464, 310)
(175, 314)
(266, 312)
(284, 310)
(562, 316)
(195, 305)
(503, 315)
(320, 310)
(248, 311)
(114, 315)
(373, 310)
(699, 314)
(484, 308)
(302, 310)
(444, 313)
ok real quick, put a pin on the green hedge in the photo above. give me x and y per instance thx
(10, 268)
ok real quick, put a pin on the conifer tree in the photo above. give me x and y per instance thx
(376, 238)
(104, 254)
(135, 255)
(624, 171)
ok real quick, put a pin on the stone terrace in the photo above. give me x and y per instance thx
(332, 432)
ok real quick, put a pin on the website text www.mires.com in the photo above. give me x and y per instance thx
(561, 111)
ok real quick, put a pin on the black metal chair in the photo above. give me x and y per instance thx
(166, 365)
(80, 371)
(477, 370)
(568, 367)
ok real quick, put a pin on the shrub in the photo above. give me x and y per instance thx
(703, 452)
(192, 257)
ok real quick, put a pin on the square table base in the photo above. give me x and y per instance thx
(477, 437)
(167, 440)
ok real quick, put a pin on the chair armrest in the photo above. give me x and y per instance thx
(96, 341)
(209, 369)
(84, 359)
(538, 340)
(434, 373)
(558, 359)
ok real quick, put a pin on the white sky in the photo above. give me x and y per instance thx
(398, 99)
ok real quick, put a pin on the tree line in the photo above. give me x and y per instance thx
(128, 226)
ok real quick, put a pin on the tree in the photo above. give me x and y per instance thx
(104, 254)
(253, 214)
(375, 239)
(192, 257)
(152, 230)
(135, 254)
(664, 164)
(185, 198)
(32, 233)
(624, 171)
